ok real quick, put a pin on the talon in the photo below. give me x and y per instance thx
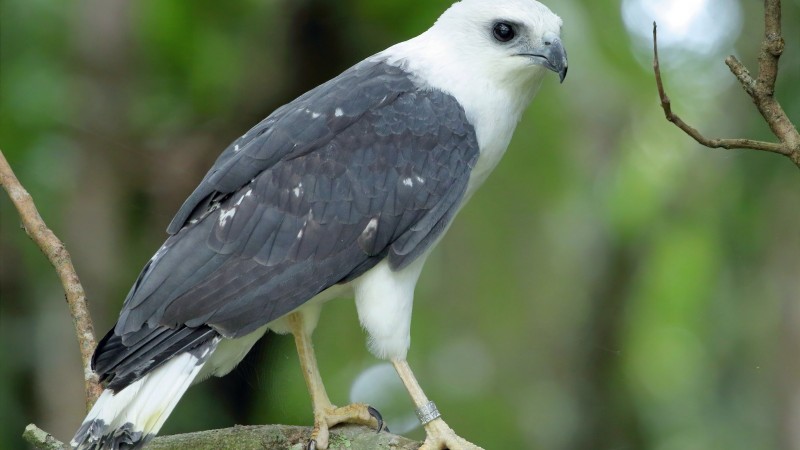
(374, 413)
(312, 445)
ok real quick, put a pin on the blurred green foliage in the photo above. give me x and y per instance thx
(613, 285)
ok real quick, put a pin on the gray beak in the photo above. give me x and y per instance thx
(556, 58)
(551, 55)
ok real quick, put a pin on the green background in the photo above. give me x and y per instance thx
(613, 285)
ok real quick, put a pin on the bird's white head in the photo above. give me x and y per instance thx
(485, 48)
(511, 39)
(491, 55)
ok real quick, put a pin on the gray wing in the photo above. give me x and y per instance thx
(365, 167)
(293, 129)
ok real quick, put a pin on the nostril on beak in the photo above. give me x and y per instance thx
(547, 43)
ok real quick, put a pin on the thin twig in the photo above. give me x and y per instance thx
(743, 75)
(55, 251)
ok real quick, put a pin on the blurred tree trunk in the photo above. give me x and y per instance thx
(789, 375)
(789, 355)
(93, 232)
(609, 419)
(102, 45)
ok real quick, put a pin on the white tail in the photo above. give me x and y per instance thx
(128, 419)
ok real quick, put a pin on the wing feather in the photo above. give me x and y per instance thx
(365, 167)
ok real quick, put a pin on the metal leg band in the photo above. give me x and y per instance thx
(427, 413)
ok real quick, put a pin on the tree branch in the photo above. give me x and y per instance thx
(771, 47)
(42, 440)
(55, 251)
(262, 437)
(761, 90)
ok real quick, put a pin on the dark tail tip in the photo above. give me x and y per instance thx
(96, 435)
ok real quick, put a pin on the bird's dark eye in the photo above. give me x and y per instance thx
(503, 32)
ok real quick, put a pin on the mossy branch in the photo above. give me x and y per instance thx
(261, 437)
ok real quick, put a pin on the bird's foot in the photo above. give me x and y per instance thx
(442, 437)
(328, 417)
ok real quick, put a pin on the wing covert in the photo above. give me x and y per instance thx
(294, 129)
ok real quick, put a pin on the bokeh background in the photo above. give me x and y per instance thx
(613, 286)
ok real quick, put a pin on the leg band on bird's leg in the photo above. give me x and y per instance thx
(326, 414)
(439, 435)
(427, 412)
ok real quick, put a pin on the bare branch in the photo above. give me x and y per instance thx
(261, 437)
(691, 131)
(771, 47)
(55, 251)
(761, 90)
(742, 74)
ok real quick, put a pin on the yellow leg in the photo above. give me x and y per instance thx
(439, 435)
(326, 415)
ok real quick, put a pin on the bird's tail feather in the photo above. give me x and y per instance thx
(128, 419)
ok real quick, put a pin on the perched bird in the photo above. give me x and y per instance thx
(344, 191)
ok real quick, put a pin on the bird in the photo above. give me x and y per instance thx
(343, 192)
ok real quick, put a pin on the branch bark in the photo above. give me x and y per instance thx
(761, 90)
(55, 251)
(42, 440)
(262, 437)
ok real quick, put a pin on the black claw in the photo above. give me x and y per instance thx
(374, 413)
(312, 445)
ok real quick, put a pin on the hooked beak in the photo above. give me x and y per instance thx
(550, 55)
